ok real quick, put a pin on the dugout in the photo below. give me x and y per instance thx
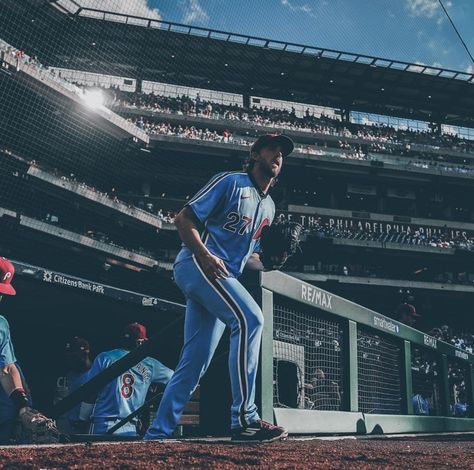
(328, 365)
(355, 370)
(50, 307)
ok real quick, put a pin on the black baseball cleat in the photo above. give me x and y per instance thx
(260, 431)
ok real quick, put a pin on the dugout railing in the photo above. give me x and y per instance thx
(329, 365)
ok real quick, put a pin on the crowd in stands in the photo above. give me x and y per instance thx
(340, 149)
(187, 132)
(21, 57)
(111, 196)
(459, 339)
(417, 237)
(382, 136)
(378, 138)
(381, 272)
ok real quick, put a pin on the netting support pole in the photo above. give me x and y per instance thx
(266, 358)
(471, 391)
(445, 410)
(407, 382)
(351, 386)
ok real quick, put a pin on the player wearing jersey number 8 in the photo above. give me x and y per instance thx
(127, 392)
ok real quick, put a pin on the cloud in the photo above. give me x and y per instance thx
(135, 7)
(195, 13)
(426, 8)
(470, 69)
(304, 8)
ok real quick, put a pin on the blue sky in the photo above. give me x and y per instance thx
(408, 30)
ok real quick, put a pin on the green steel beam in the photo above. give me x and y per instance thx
(407, 378)
(471, 391)
(444, 385)
(266, 358)
(351, 373)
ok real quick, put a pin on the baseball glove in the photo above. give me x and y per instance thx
(278, 242)
(35, 428)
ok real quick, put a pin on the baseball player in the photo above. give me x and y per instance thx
(13, 397)
(127, 392)
(78, 362)
(220, 228)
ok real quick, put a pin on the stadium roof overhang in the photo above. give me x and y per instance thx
(128, 46)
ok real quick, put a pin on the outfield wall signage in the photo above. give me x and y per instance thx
(346, 223)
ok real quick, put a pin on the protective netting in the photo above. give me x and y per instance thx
(81, 189)
(379, 373)
(307, 359)
(426, 382)
(71, 170)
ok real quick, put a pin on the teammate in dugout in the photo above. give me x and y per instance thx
(13, 398)
(15, 412)
(126, 393)
(78, 362)
(220, 228)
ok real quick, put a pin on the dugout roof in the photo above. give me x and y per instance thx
(70, 36)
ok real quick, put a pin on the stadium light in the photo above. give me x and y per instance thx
(93, 99)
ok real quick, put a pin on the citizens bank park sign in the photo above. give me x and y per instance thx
(342, 223)
(56, 278)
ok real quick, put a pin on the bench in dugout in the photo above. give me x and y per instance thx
(190, 419)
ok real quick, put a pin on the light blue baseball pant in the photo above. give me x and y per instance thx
(210, 307)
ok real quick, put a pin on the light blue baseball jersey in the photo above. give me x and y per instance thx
(7, 356)
(127, 392)
(233, 211)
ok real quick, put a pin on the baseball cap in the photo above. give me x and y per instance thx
(7, 271)
(135, 331)
(265, 140)
(78, 345)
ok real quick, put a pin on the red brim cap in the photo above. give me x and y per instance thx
(7, 289)
(265, 140)
(135, 331)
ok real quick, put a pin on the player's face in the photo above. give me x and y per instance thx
(270, 161)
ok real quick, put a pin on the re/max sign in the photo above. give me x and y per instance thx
(315, 296)
(430, 341)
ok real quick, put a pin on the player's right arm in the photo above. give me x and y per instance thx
(10, 378)
(187, 224)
